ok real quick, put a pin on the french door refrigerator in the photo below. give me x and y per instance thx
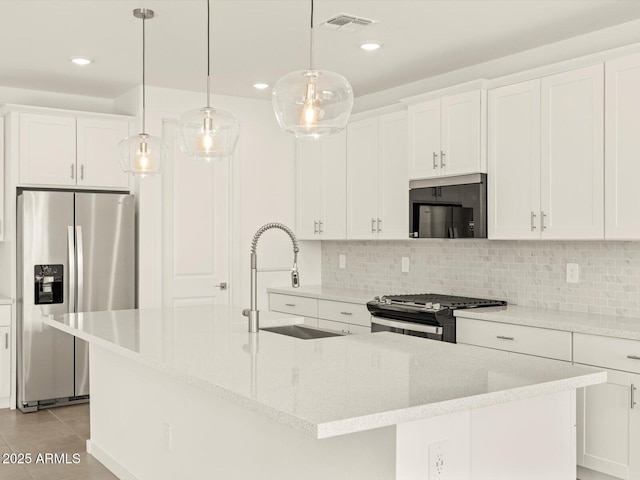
(75, 253)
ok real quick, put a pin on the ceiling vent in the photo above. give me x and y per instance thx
(347, 23)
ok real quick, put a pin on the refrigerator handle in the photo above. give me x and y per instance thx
(71, 274)
(80, 268)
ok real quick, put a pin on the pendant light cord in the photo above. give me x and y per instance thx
(208, 59)
(144, 94)
(311, 40)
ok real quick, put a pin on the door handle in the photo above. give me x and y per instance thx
(315, 226)
(442, 154)
(379, 225)
(373, 225)
(80, 268)
(221, 286)
(320, 225)
(542, 225)
(72, 269)
(435, 160)
(533, 221)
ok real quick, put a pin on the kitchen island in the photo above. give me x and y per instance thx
(187, 392)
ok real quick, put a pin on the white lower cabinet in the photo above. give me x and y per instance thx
(608, 415)
(345, 317)
(5, 351)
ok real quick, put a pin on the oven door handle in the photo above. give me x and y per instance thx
(412, 327)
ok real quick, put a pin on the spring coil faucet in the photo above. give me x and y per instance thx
(252, 313)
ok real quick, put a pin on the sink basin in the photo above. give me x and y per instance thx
(301, 331)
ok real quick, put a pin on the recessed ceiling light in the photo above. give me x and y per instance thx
(261, 86)
(81, 60)
(370, 46)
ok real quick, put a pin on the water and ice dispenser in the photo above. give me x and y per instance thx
(48, 280)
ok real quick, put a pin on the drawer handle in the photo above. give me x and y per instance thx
(504, 338)
(633, 357)
(346, 313)
(289, 304)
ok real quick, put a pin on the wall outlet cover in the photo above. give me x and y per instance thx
(405, 264)
(342, 261)
(573, 273)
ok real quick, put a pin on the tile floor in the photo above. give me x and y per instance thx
(57, 430)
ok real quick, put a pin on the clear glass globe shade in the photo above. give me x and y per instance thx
(208, 133)
(142, 154)
(312, 103)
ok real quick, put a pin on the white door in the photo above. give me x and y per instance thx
(308, 189)
(47, 150)
(622, 148)
(333, 208)
(572, 154)
(608, 426)
(98, 159)
(196, 227)
(393, 200)
(424, 140)
(362, 179)
(460, 135)
(513, 197)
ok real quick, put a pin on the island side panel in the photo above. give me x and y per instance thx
(149, 425)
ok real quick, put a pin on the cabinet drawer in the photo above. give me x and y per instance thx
(344, 312)
(607, 352)
(541, 342)
(343, 327)
(5, 315)
(303, 306)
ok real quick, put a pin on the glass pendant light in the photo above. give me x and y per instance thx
(142, 154)
(207, 133)
(312, 103)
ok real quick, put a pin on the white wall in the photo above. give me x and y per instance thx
(263, 191)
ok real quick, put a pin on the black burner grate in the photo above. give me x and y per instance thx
(445, 301)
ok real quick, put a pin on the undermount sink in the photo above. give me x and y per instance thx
(301, 331)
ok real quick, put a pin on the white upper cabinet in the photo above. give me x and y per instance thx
(66, 150)
(321, 188)
(377, 186)
(445, 136)
(545, 149)
(622, 148)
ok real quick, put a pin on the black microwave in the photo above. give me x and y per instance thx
(448, 207)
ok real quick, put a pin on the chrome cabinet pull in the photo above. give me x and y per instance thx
(289, 304)
(542, 225)
(379, 225)
(533, 221)
(504, 338)
(633, 357)
(81, 172)
(435, 160)
(73, 171)
(346, 313)
(373, 225)
(320, 227)
(442, 154)
(633, 396)
(315, 226)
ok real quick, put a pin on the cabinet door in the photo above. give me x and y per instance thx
(460, 136)
(362, 179)
(424, 140)
(608, 427)
(333, 208)
(308, 188)
(47, 150)
(572, 154)
(393, 200)
(98, 159)
(5, 361)
(622, 148)
(513, 197)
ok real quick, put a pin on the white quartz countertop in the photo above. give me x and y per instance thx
(350, 295)
(593, 323)
(324, 387)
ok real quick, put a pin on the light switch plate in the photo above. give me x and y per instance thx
(573, 273)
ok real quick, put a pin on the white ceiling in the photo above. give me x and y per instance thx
(260, 40)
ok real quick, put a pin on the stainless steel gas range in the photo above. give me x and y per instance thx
(427, 315)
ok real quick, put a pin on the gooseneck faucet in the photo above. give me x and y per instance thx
(253, 313)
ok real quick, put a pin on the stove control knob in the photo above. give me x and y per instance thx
(428, 305)
(436, 306)
(376, 298)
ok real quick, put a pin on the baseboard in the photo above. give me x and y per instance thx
(105, 459)
(588, 474)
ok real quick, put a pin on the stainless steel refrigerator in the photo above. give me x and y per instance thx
(75, 253)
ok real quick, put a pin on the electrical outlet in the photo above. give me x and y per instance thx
(573, 273)
(439, 460)
(405, 264)
(342, 261)
(168, 436)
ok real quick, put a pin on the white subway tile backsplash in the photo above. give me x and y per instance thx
(530, 273)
